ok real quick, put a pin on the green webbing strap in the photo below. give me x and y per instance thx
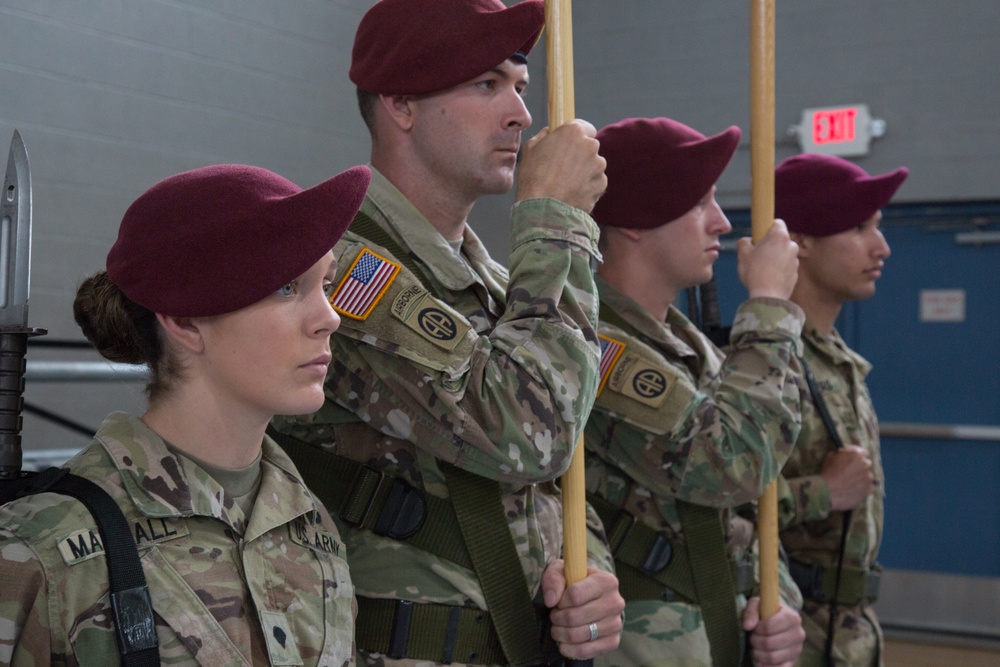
(631, 542)
(368, 229)
(820, 584)
(607, 314)
(436, 633)
(478, 504)
(713, 578)
(358, 494)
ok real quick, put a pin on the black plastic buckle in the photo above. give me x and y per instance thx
(658, 556)
(400, 629)
(134, 624)
(809, 578)
(403, 513)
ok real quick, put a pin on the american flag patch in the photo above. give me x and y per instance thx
(611, 349)
(363, 286)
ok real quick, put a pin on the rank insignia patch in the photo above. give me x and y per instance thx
(611, 349)
(363, 286)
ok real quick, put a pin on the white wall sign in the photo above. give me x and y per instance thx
(942, 305)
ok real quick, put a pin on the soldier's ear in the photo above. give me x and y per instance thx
(804, 242)
(634, 235)
(182, 330)
(398, 109)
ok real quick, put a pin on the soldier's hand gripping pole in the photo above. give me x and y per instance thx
(15, 272)
(761, 219)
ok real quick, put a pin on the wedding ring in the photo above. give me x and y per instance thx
(593, 631)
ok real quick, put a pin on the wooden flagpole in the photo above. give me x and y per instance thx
(559, 52)
(761, 219)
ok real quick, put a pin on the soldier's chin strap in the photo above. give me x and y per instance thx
(135, 627)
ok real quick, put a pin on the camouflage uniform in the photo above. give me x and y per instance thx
(226, 589)
(503, 393)
(714, 433)
(810, 531)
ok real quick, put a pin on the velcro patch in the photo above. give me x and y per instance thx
(635, 378)
(314, 537)
(363, 286)
(421, 312)
(80, 545)
(611, 350)
(281, 645)
(84, 544)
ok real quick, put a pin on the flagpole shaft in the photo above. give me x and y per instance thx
(761, 218)
(559, 53)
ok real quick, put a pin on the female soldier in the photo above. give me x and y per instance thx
(219, 281)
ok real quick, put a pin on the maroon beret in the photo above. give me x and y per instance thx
(411, 47)
(820, 195)
(658, 169)
(220, 238)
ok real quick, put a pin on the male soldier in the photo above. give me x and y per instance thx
(451, 372)
(830, 499)
(681, 432)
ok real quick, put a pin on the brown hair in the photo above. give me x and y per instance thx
(123, 331)
(366, 104)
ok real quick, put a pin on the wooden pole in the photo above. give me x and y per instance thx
(761, 218)
(559, 53)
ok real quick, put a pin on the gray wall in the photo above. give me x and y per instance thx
(111, 96)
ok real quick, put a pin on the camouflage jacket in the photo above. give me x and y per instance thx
(272, 588)
(492, 372)
(810, 531)
(677, 419)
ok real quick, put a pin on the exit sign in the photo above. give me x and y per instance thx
(837, 130)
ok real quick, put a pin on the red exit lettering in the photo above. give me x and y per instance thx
(834, 126)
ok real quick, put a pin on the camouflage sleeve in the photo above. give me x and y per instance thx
(508, 404)
(787, 588)
(598, 551)
(25, 638)
(802, 499)
(719, 449)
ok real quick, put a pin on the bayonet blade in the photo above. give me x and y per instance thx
(15, 238)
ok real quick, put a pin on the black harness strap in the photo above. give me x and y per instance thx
(831, 429)
(135, 627)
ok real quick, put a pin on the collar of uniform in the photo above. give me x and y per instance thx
(161, 484)
(834, 348)
(420, 236)
(644, 323)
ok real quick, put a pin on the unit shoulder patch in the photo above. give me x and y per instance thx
(637, 378)
(364, 285)
(431, 319)
(405, 318)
